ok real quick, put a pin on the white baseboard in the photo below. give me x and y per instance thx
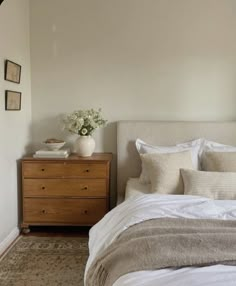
(9, 239)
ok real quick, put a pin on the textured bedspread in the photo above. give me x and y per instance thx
(165, 242)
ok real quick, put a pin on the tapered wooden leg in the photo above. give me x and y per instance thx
(25, 228)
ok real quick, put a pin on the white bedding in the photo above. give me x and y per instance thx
(140, 207)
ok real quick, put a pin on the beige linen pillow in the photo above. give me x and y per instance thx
(213, 185)
(219, 161)
(164, 171)
(144, 148)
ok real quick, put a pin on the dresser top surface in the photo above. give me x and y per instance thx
(73, 157)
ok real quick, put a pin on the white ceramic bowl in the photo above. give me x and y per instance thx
(54, 146)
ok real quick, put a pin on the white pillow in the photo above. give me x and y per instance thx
(211, 146)
(145, 148)
(213, 185)
(164, 171)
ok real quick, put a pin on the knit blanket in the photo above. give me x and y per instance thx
(165, 242)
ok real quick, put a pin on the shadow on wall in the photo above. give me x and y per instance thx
(19, 192)
(110, 145)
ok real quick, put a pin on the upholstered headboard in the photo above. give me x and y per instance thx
(162, 133)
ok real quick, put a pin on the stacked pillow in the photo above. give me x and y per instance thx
(164, 171)
(144, 148)
(176, 169)
(213, 185)
(219, 161)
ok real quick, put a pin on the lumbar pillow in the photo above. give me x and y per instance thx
(213, 185)
(145, 148)
(219, 161)
(164, 171)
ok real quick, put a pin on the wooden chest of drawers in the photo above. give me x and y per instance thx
(71, 191)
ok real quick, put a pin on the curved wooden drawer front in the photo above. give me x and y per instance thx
(65, 187)
(47, 169)
(60, 211)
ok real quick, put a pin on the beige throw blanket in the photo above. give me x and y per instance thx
(165, 242)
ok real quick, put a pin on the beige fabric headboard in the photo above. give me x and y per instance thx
(162, 133)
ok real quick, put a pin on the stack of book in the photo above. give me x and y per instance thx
(44, 153)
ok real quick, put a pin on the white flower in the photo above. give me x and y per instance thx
(84, 131)
(84, 122)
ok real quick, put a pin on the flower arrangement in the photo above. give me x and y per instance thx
(84, 122)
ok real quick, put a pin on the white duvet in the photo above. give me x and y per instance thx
(147, 206)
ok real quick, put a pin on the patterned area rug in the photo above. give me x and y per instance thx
(45, 261)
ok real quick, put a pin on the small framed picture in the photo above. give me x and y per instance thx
(12, 71)
(12, 100)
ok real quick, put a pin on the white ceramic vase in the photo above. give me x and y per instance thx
(84, 146)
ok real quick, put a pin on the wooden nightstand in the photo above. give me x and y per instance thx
(71, 191)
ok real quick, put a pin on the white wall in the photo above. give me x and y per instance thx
(14, 125)
(136, 59)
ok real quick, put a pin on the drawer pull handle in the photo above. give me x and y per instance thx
(43, 211)
(87, 170)
(84, 188)
(42, 169)
(85, 212)
(43, 188)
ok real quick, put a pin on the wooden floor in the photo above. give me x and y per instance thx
(58, 231)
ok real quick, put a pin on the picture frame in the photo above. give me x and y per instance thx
(12, 100)
(12, 71)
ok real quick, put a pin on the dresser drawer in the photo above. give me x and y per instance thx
(65, 187)
(48, 169)
(61, 211)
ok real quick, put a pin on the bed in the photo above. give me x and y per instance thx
(111, 240)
